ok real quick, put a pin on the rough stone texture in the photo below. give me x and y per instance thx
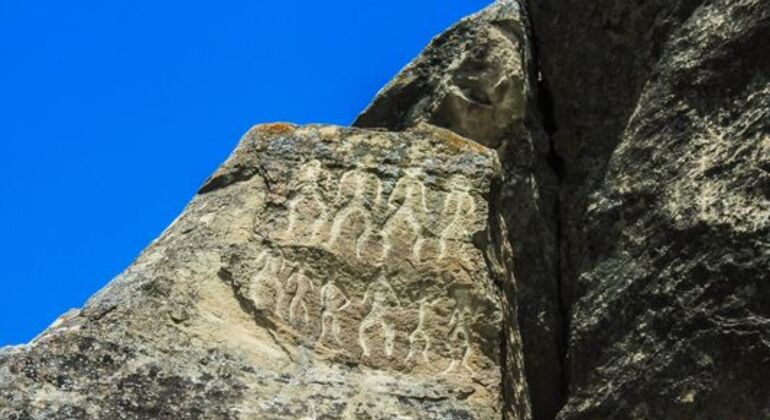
(321, 272)
(661, 112)
(327, 272)
(479, 79)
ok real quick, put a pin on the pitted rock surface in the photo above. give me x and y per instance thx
(558, 210)
(321, 272)
(662, 118)
(479, 79)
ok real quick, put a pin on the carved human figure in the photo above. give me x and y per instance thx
(307, 209)
(408, 203)
(265, 289)
(359, 192)
(459, 339)
(383, 298)
(458, 213)
(301, 284)
(333, 301)
(419, 337)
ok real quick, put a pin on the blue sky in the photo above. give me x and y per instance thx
(113, 113)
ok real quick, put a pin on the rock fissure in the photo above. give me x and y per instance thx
(557, 166)
(222, 180)
(545, 103)
(489, 93)
(654, 105)
(557, 211)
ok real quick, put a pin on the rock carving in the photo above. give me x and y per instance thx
(308, 205)
(265, 289)
(359, 192)
(383, 298)
(333, 300)
(459, 210)
(409, 199)
(301, 285)
(419, 337)
(459, 337)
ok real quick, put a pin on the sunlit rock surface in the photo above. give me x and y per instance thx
(479, 79)
(321, 272)
(585, 237)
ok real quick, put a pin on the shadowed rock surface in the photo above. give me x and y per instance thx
(321, 272)
(662, 113)
(479, 79)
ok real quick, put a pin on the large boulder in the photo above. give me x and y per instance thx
(321, 272)
(610, 156)
(479, 79)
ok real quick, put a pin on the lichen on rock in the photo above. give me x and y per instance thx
(352, 274)
(557, 210)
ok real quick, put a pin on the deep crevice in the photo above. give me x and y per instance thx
(225, 179)
(545, 104)
(556, 163)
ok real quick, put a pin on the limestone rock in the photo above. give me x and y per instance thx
(610, 156)
(321, 272)
(662, 111)
(479, 79)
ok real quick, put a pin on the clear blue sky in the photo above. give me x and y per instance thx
(113, 113)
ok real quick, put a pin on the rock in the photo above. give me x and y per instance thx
(662, 114)
(321, 272)
(479, 80)
(610, 156)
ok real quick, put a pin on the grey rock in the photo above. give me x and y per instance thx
(558, 210)
(479, 79)
(662, 113)
(321, 272)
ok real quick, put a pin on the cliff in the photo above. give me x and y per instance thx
(558, 210)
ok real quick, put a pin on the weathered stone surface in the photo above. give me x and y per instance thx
(321, 272)
(479, 79)
(662, 111)
(327, 272)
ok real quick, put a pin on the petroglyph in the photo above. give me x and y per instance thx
(359, 192)
(419, 337)
(307, 210)
(301, 285)
(460, 211)
(273, 281)
(375, 251)
(333, 301)
(459, 334)
(383, 298)
(265, 289)
(407, 223)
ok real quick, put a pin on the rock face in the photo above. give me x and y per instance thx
(321, 272)
(662, 118)
(558, 210)
(479, 79)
